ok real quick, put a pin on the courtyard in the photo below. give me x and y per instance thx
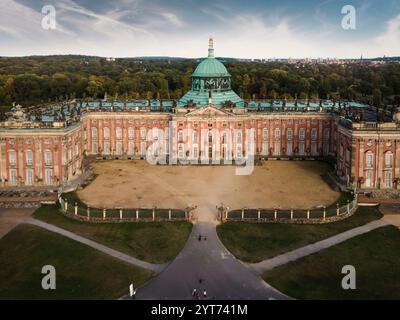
(276, 184)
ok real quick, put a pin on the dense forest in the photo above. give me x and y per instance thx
(37, 79)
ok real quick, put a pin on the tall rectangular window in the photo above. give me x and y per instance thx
(13, 177)
(48, 178)
(29, 177)
(12, 157)
(48, 158)
(388, 179)
(29, 158)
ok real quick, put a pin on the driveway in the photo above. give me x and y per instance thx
(207, 261)
(10, 218)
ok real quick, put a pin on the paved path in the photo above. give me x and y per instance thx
(222, 275)
(10, 218)
(114, 253)
(282, 259)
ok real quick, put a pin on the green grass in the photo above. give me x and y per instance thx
(254, 242)
(155, 242)
(81, 272)
(375, 256)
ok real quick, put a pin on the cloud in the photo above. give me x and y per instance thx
(173, 19)
(388, 43)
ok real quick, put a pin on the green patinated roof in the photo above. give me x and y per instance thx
(201, 99)
(210, 67)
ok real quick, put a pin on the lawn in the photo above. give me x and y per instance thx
(375, 256)
(155, 242)
(81, 272)
(254, 242)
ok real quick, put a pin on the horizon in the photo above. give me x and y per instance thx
(254, 30)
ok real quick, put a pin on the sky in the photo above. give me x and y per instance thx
(181, 28)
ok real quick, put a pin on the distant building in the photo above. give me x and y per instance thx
(46, 147)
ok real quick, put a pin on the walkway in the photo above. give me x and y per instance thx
(114, 253)
(285, 258)
(11, 217)
(223, 276)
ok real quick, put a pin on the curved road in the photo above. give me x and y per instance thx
(221, 274)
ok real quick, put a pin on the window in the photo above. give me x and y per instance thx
(301, 148)
(130, 148)
(143, 133)
(94, 133)
(107, 147)
(180, 151)
(29, 158)
(95, 148)
(143, 149)
(239, 152)
(368, 180)
(314, 134)
(277, 134)
(239, 137)
(29, 177)
(388, 159)
(289, 134)
(48, 157)
(48, 178)
(265, 134)
(12, 157)
(195, 152)
(326, 134)
(302, 134)
(180, 136)
(131, 133)
(195, 137)
(388, 179)
(369, 160)
(106, 133)
(13, 177)
(289, 150)
(118, 133)
(265, 148)
(119, 148)
(314, 148)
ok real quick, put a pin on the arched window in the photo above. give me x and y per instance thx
(326, 134)
(369, 159)
(314, 134)
(118, 133)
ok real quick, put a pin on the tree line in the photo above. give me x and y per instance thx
(39, 79)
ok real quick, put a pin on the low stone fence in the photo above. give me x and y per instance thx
(314, 216)
(97, 215)
(19, 204)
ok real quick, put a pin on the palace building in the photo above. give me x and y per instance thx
(48, 146)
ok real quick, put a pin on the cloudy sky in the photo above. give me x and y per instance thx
(241, 29)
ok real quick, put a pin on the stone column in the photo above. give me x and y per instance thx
(242, 214)
(169, 214)
(104, 214)
(76, 208)
(258, 215)
(137, 214)
(154, 214)
(88, 213)
(291, 214)
(120, 213)
(337, 209)
(66, 205)
(308, 214)
(275, 214)
(324, 213)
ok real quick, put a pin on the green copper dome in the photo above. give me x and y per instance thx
(210, 67)
(211, 83)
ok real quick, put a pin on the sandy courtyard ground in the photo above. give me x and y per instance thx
(276, 184)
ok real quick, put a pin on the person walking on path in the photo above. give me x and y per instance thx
(194, 292)
(205, 293)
